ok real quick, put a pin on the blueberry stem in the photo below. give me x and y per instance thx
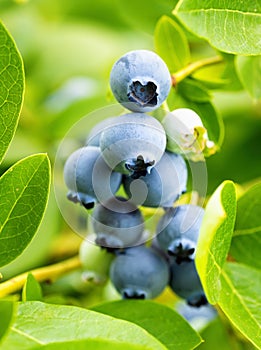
(193, 67)
(46, 273)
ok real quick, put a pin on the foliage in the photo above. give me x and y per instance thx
(12, 88)
(212, 50)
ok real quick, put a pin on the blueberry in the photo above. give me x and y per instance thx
(185, 282)
(133, 144)
(198, 317)
(178, 231)
(94, 135)
(95, 261)
(117, 223)
(163, 186)
(88, 177)
(186, 134)
(140, 80)
(139, 273)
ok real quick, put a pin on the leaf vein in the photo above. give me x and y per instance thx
(223, 10)
(26, 335)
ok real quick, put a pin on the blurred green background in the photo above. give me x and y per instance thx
(68, 48)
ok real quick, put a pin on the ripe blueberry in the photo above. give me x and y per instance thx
(133, 143)
(163, 186)
(139, 273)
(185, 282)
(94, 135)
(88, 177)
(140, 80)
(117, 223)
(178, 231)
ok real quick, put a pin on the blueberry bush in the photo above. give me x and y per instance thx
(130, 208)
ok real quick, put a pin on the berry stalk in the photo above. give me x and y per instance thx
(193, 67)
(46, 273)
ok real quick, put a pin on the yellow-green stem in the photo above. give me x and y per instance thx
(41, 274)
(193, 67)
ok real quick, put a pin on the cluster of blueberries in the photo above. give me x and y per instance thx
(129, 153)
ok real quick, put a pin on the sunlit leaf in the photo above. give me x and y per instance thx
(230, 26)
(249, 72)
(193, 91)
(157, 319)
(32, 289)
(7, 309)
(91, 344)
(11, 88)
(40, 324)
(246, 242)
(240, 299)
(24, 191)
(215, 238)
(171, 44)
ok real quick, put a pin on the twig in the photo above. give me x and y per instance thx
(193, 67)
(46, 273)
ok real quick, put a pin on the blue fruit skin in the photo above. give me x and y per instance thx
(185, 282)
(85, 187)
(163, 186)
(133, 144)
(94, 135)
(178, 231)
(139, 273)
(140, 81)
(199, 317)
(117, 223)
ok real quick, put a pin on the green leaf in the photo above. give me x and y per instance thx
(246, 242)
(157, 319)
(32, 256)
(11, 89)
(143, 15)
(211, 76)
(215, 238)
(230, 26)
(7, 309)
(41, 324)
(24, 190)
(240, 299)
(249, 72)
(246, 249)
(171, 44)
(226, 339)
(91, 344)
(193, 91)
(32, 289)
(229, 74)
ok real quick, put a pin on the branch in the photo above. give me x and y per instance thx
(41, 274)
(193, 67)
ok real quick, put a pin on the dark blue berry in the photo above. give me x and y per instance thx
(185, 282)
(133, 143)
(178, 231)
(117, 223)
(139, 273)
(163, 186)
(88, 177)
